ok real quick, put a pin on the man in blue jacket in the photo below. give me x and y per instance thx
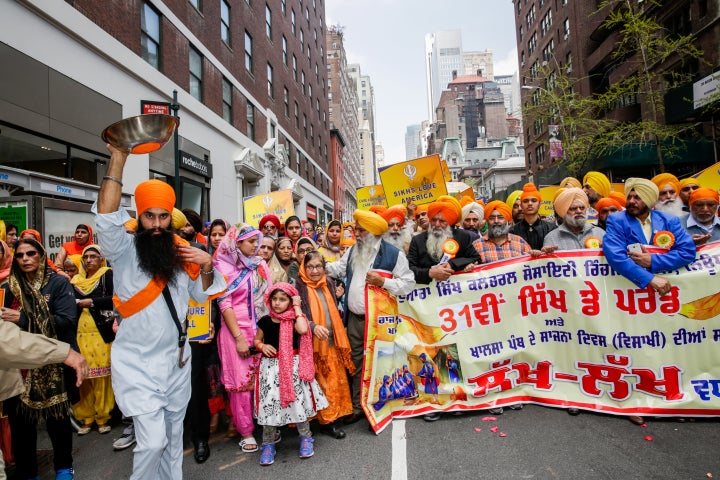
(637, 224)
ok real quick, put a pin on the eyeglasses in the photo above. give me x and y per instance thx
(28, 254)
(314, 267)
(269, 226)
(305, 251)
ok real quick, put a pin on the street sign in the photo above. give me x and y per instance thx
(148, 107)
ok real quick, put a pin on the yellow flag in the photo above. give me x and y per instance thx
(278, 203)
(369, 196)
(418, 181)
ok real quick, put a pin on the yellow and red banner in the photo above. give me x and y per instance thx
(370, 196)
(198, 321)
(419, 181)
(563, 330)
(278, 203)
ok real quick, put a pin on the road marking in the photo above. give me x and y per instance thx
(399, 455)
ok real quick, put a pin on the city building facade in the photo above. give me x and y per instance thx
(443, 56)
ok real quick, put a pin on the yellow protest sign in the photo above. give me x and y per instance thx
(418, 181)
(278, 203)
(562, 331)
(370, 196)
(198, 321)
(446, 171)
(710, 177)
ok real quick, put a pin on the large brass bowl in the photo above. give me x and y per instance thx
(141, 134)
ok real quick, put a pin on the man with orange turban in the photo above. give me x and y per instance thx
(397, 235)
(618, 197)
(155, 273)
(498, 243)
(422, 221)
(703, 223)
(531, 228)
(371, 261)
(606, 206)
(270, 226)
(668, 190)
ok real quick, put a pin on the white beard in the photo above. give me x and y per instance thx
(400, 240)
(436, 240)
(364, 252)
(673, 207)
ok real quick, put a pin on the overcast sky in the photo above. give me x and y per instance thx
(387, 39)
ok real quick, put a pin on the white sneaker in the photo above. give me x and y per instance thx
(127, 439)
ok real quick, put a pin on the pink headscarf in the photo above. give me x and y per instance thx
(285, 350)
(6, 262)
(230, 261)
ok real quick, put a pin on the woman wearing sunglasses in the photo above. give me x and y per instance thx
(40, 301)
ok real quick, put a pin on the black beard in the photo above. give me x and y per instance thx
(156, 254)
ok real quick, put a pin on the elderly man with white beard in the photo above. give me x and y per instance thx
(426, 249)
(371, 261)
(668, 199)
(575, 233)
(398, 234)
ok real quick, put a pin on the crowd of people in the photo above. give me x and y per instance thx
(286, 338)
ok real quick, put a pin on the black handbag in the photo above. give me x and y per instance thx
(104, 319)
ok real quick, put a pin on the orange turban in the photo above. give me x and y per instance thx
(131, 225)
(570, 182)
(379, 209)
(501, 207)
(154, 194)
(607, 202)
(598, 182)
(663, 179)
(396, 211)
(370, 221)
(689, 181)
(448, 206)
(421, 208)
(564, 201)
(703, 194)
(618, 197)
(35, 234)
(530, 190)
(465, 200)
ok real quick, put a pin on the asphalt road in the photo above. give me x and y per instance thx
(539, 443)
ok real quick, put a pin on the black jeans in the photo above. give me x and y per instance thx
(197, 415)
(24, 440)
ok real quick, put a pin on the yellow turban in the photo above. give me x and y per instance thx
(703, 194)
(530, 190)
(646, 190)
(501, 207)
(558, 192)
(663, 179)
(511, 199)
(448, 206)
(370, 221)
(618, 197)
(566, 199)
(3, 231)
(396, 211)
(598, 182)
(689, 181)
(179, 220)
(154, 194)
(131, 225)
(570, 182)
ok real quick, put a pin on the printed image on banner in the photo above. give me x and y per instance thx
(278, 203)
(419, 181)
(370, 196)
(562, 330)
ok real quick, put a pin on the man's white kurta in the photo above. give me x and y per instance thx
(144, 355)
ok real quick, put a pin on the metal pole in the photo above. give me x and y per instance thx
(174, 107)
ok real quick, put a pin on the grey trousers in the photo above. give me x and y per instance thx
(356, 335)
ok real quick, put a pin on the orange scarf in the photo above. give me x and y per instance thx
(153, 289)
(340, 338)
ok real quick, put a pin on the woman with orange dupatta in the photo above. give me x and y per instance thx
(331, 347)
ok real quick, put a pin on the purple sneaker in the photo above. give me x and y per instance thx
(306, 447)
(267, 455)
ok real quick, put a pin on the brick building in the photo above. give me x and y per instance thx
(252, 92)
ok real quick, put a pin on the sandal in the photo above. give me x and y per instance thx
(248, 445)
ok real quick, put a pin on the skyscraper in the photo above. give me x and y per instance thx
(443, 56)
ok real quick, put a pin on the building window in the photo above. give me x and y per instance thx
(297, 116)
(302, 81)
(250, 114)
(286, 99)
(532, 43)
(305, 125)
(284, 50)
(283, 7)
(268, 21)
(150, 41)
(566, 28)
(292, 21)
(271, 90)
(248, 52)
(227, 90)
(225, 22)
(310, 92)
(294, 67)
(546, 23)
(197, 4)
(317, 107)
(196, 73)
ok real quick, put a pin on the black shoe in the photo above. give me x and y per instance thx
(353, 418)
(573, 411)
(431, 417)
(202, 452)
(334, 431)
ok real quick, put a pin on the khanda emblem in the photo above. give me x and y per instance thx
(410, 171)
(372, 191)
(267, 201)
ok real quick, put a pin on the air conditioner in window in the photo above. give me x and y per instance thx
(566, 36)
